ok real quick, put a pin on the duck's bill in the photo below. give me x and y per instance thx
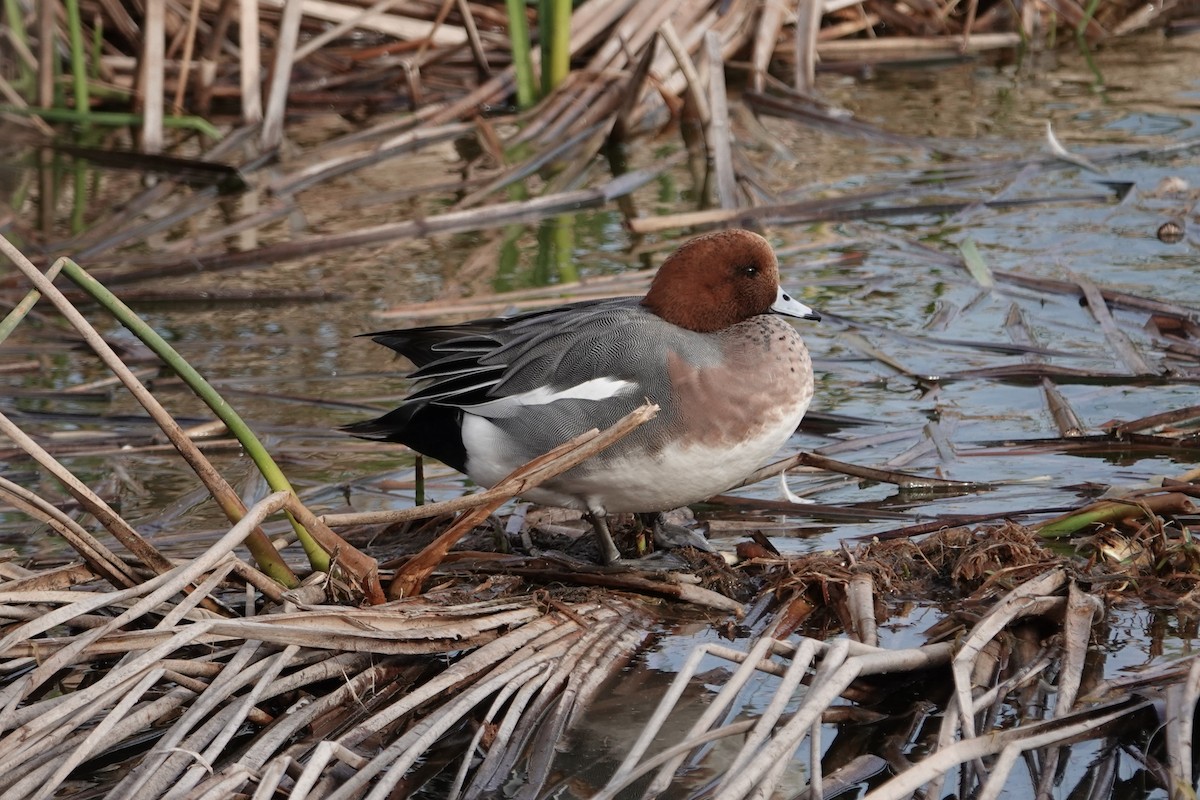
(786, 304)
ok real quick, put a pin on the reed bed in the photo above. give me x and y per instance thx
(177, 66)
(208, 89)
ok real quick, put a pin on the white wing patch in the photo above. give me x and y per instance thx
(595, 389)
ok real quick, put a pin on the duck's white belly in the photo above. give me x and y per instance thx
(633, 479)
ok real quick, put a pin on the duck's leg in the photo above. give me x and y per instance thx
(608, 551)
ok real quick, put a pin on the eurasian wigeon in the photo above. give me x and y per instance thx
(706, 343)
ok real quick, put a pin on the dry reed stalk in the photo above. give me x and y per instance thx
(109, 232)
(694, 19)
(717, 135)
(250, 66)
(770, 24)
(563, 113)
(213, 736)
(13, 98)
(390, 765)
(694, 90)
(1182, 699)
(265, 756)
(111, 520)
(596, 288)
(358, 20)
(46, 55)
(536, 662)
(1116, 298)
(770, 739)
(220, 489)
(827, 210)
(1083, 610)
(409, 141)
(903, 48)
(1117, 339)
(281, 75)
(806, 47)
(424, 31)
(563, 110)
(823, 462)
(585, 102)
(768, 745)
(860, 601)
(362, 567)
(400, 27)
(1008, 745)
(51, 579)
(493, 216)
(189, 44)
(552, 692)
(560, 152)
(94, 553)
(718, 708)
(152, 83)
(861, 23)
(151, 593)
(1065, 418)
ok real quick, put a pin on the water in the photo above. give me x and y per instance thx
(295, 370)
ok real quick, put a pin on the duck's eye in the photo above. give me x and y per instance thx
(749, 270)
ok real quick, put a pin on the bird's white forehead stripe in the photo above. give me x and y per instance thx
(594, 389)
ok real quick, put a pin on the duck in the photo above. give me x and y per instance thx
(709, 343)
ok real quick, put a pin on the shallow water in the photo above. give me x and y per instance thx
(970, 113)
(288, 366)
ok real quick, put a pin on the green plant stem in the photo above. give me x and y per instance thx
(522, 56)
(111, 118)
(554, 33)
(1113, 510)
(1088, 14)
(79, 196)
(16, 27)
(97, 48)
(564, 248)
(263, 551)
(79, 60)
(419, 481)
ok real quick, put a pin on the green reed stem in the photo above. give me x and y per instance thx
(79, 196)
(16, 27)
(264, 552)
(522, 56)
(114, 119)
(554, 33)
(79, 60)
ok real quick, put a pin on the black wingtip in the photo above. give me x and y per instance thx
(432, 430)
(366, 429)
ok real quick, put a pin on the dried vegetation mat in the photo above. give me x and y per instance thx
(192, 683)
(467, 674)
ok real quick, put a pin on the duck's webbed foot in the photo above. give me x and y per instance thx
(670, 536)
